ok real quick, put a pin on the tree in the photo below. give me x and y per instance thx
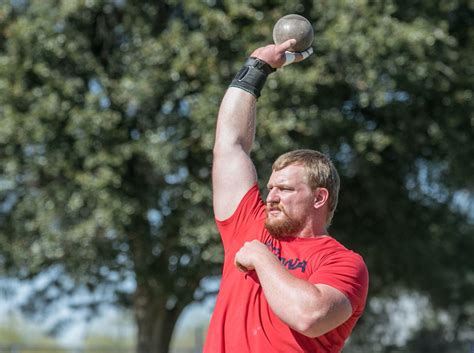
(108, 110)
(104, 174)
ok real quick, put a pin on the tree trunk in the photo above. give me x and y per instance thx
(155, 321)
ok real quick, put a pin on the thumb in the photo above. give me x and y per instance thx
(241, 267)
(285, 45)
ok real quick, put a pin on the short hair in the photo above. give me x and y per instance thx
(320, 172)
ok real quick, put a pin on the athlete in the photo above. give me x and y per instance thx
(287, 285)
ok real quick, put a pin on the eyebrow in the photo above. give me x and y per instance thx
(281, 185)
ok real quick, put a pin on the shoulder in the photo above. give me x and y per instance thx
(342, 269)
(335, 252)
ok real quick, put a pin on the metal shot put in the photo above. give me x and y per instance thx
(294, 27)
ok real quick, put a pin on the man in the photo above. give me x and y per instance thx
(287, 286)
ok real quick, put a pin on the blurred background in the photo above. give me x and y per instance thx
(107, 112)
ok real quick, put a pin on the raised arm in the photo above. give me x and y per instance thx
(233, 172)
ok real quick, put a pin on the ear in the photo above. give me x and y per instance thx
(321, 196)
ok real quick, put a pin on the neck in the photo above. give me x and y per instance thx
(312, 229)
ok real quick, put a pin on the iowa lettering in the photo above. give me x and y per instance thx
(290, 264)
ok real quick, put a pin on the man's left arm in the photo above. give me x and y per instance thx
(311, 309)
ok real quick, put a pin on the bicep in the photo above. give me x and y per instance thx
(233, 174)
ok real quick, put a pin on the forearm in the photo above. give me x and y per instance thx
(236, 121)
(295, 301)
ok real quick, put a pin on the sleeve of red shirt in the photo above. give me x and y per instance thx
(250, 208)
(347, 272)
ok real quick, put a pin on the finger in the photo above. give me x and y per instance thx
(285, 45)
(241, 268)
(291, 57)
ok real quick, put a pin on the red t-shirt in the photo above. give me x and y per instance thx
(243, 322)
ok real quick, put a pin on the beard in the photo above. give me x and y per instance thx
(281, 228)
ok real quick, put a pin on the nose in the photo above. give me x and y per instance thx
(273, 196)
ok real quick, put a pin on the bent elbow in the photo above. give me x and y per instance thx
(308, 328)
(228, 148)
(312, 325)
(311, 331)
(303, 323)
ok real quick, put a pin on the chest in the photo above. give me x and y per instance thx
(299, 260)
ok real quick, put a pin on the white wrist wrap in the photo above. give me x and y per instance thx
(290, 57)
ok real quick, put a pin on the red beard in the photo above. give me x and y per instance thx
(281, 228)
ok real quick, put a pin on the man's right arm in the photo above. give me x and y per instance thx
(233, 172)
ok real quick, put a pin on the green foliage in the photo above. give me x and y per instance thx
(107, 112)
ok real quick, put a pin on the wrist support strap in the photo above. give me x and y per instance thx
(252, 76)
